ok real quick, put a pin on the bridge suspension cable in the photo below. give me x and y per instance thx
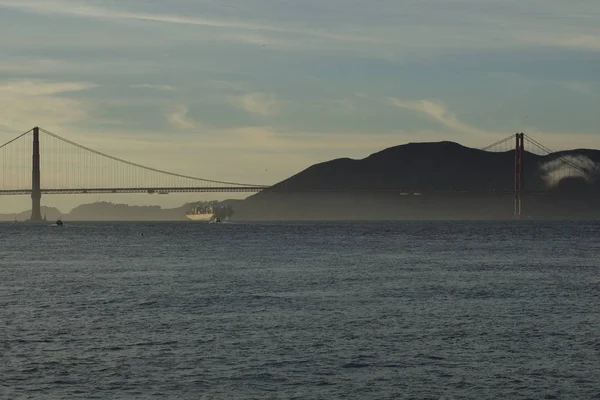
(15, 139)
(16, 163)
(499, 142)
(135, 173)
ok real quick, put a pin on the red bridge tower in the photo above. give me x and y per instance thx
(519, 177)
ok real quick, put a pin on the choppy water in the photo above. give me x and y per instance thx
(324, 310)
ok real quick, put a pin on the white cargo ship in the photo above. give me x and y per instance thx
(200, 214)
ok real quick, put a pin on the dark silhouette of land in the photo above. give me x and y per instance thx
(104, 211)
(452, 182)
(441, 180)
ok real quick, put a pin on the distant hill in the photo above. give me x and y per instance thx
(105, 211)
(371, 188)
(425, 166)
(50, 213)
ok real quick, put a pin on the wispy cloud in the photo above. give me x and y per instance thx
(385, 30)
(350, 103)
(25, 103)
(585, 42)
(178, 117)
(477, 137)
(42, 88)
(162, 88)
(86, 10)
(558, 38)
(24, 66)
(578, 87)
(226, 85)
(255, 39)
(439, 112)
(264, 104)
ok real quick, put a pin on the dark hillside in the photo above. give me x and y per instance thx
(376, 186)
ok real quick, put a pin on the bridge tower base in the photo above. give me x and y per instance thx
(36, 193)
(519, 176)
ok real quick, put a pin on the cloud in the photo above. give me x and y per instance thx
(264, 104)
(31, 66)
(26, 103)
(480, 138)
(586, 42)
(42, 88)
(578, 87)
(162, 88)
(226, 85)
(571, 166)
(350, 103)
(561, 39)
(255, 39)
(179, 118)
(440, 113)
(388, 30)
(86, 10)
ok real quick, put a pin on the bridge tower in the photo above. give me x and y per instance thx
(36, 193)
(519, 176)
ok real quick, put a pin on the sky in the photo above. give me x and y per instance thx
(254, 91)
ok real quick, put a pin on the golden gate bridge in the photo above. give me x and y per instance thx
(71, 168)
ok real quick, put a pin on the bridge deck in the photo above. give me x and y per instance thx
(233, 189)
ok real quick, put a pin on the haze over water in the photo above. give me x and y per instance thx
(302, 310)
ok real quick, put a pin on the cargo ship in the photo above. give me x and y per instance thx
(200, 214)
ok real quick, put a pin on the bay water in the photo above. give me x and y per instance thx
(371, 310)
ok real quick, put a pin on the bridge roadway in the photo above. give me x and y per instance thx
(156, 190)
(255, 189)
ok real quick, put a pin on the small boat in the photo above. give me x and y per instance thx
(59, 222)
(217, 220)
